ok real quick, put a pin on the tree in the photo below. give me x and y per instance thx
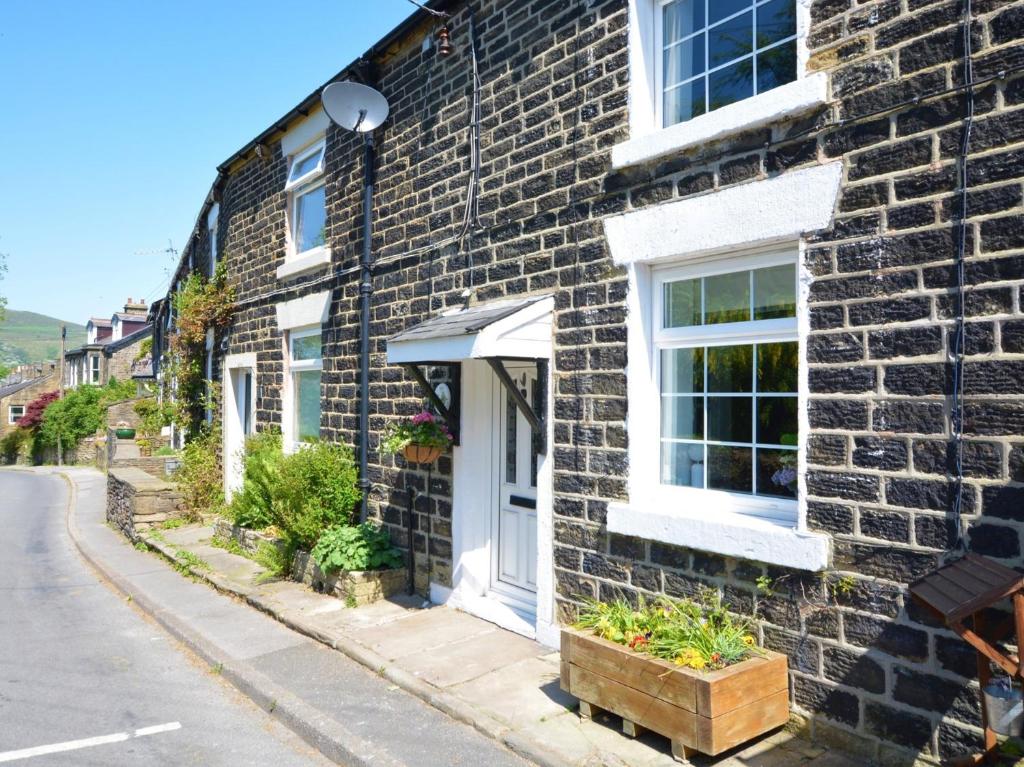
(33, 417)
(73, 418)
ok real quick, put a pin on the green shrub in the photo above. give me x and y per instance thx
(164, 451)
(71, 419)
(153, 416)
(316, 490)
(14, 443)
(253, 505)
(276, 560)
(200, 477)
(356, 547)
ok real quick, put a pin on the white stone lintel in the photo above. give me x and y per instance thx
(303, 312)
(773, 106)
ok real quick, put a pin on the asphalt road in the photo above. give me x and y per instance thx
(82, 670)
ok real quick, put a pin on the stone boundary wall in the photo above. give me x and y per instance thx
(249, 540)
(137, 501)
(356, 587)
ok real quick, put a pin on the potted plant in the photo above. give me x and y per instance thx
(145, 447)
(688, 670)
(421, 439)
(124, 431)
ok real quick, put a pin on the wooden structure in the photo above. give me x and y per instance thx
(960, 592)
(705, 711)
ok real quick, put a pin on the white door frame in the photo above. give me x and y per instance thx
(233, 428)
(472, 493)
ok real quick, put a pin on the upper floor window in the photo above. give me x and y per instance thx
(307, 199)
(726, 356)
(716, 52)
(211, 226)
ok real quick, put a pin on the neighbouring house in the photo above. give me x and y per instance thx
(111, 347)
(714, 289)
(20, 387)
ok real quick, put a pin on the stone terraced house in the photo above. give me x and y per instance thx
(111, 347)
(718, 250)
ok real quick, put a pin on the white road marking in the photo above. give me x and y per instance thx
(74, 745)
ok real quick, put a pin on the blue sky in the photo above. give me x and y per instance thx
(116, 114)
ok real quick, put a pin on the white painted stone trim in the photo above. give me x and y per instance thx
(304, 311)
(310, 261)
(730, 535)
(778, 209)
(305, 132)
(784, 102)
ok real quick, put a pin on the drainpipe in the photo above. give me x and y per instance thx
(365, 290)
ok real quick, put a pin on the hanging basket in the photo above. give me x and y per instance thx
(421, 453)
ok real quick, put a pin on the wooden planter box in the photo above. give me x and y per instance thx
(709, 712)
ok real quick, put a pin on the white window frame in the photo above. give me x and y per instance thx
(649, 140)
(11, 418)
(319, 256)
(94, 369)
(301, 366)
(781, 510)
(659, 58)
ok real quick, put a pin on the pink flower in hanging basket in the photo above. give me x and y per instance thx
(423, 417)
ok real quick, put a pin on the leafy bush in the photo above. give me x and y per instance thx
(200, 477)
(153, 415)
(33, 416)
(253, 505)
(116, 391)
(165, 451)
(316, 490)
(71, 419)
(697, 634)
(276, 560)
(356, 547)
(13, 444)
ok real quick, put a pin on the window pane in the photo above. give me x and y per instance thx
(776, 20)
(682, 303)
(306, 164)
(777, 367)
(731, 39)
(682, 18)
(307, 347)
(730, 468)
(776, 66)
(719, 9)
(510, 439)
(682, 371)
(684, 60)
(729, 419)
(731, 84)
(776, 420)
(682, 464)
(684, 101)
(776, 473)
(682, 417)
(727, 298)
(307, 401)
(310, 217)
(775, 292)
(730, 368)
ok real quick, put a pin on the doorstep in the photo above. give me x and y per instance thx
(503, 684)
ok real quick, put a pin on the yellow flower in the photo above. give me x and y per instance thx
(748, 640)
(691, 658)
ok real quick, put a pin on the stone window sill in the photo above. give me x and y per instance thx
(310, 261)
(780, 103)
(732, 535)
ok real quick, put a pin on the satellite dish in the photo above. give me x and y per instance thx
(354, 106)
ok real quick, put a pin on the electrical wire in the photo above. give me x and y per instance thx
(431, 11)
(959, 339)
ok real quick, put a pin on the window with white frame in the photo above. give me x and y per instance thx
(305, 356)
(211, 225)
(711, 53)
(307, 202)
(726, 362)
(94, 368)
(14, 412)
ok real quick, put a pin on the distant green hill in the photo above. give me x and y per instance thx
(30, 337)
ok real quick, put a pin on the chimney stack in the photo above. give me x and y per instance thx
(136, 307)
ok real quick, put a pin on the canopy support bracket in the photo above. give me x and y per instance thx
(537, 422)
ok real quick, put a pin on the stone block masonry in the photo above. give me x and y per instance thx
(137, 501)
(868, 669)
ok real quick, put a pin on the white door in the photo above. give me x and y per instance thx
(514, 531)
(238, 425)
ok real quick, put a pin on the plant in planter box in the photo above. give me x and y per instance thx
(421, 438)
(145, 446)
(353, 548)
(688, 670)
